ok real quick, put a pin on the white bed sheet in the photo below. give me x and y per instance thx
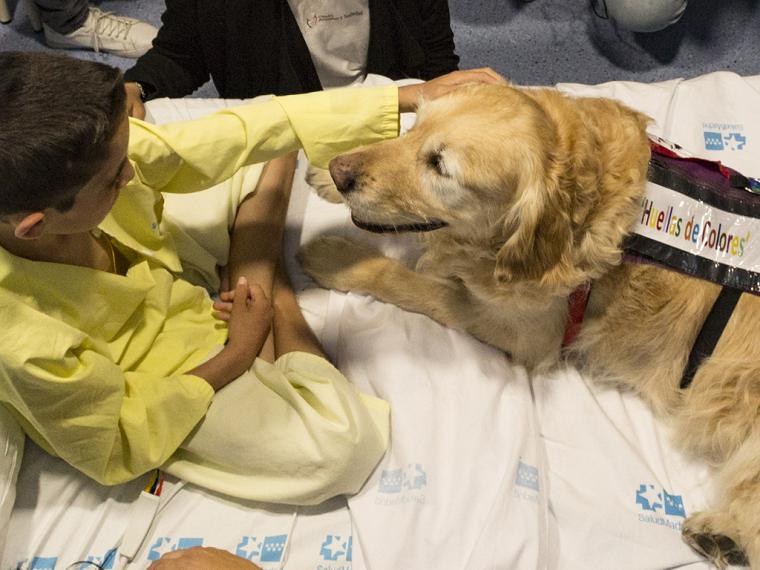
(488, 469)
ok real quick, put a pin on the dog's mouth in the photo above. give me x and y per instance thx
(428, 226)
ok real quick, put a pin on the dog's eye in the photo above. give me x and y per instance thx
(435, 161)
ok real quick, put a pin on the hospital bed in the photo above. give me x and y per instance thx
(489, 468)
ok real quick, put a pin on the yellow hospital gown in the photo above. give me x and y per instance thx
(93, 365)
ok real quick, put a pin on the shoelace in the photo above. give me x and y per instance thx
(108, 24)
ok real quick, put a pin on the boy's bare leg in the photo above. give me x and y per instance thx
(256, 237)
(291, 331)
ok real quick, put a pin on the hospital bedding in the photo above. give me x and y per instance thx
(488, 467)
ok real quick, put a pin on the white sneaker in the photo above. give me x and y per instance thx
(104, 31)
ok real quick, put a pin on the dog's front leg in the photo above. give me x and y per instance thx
(322, 182)
(729, 533)
(338, 263)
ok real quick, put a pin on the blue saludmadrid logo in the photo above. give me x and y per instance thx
(527, 476)
(724, 136)
(106, 562)
(166, 544)
(49, 562)
(526, 482)
(267, 549)
(402, 485)
(657, 506)
(38, 563)
(396, 480)
(335, 548)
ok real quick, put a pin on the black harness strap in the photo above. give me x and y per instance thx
(712, 329)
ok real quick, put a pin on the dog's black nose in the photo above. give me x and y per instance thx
(343, 174)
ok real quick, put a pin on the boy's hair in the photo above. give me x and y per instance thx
(57, 118)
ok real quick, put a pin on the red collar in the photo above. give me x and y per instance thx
(576, 309)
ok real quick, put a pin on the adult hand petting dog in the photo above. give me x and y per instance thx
(409, 96)
(202, 558)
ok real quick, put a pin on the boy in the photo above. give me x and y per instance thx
(108, 358)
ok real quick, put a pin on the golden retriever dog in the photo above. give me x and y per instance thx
(521, 196)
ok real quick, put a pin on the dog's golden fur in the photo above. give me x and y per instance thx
(537, 191)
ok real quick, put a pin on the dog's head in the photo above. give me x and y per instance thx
(491, 164)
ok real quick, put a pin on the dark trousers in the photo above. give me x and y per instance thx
(63, 16)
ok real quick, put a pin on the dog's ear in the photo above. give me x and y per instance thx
(538, 231)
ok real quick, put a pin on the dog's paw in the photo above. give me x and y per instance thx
(322, 182)
(337, 263)
(701, 534)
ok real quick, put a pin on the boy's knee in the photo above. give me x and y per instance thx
(645, 15)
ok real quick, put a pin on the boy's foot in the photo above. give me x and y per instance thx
(104, 31)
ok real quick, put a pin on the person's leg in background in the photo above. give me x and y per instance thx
(74, 24)
(641, 15)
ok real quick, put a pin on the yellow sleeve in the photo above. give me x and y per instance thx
(193, 155)
(112, 426)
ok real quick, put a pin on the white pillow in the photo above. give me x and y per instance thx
(11, 453)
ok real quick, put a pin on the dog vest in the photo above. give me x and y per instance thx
(702, 219)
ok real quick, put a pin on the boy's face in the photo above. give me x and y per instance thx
(97, 196)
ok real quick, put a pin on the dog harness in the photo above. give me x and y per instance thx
(702, 219)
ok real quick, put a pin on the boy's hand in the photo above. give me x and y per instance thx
(135, 107)
(409, 95)
(249, 314)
